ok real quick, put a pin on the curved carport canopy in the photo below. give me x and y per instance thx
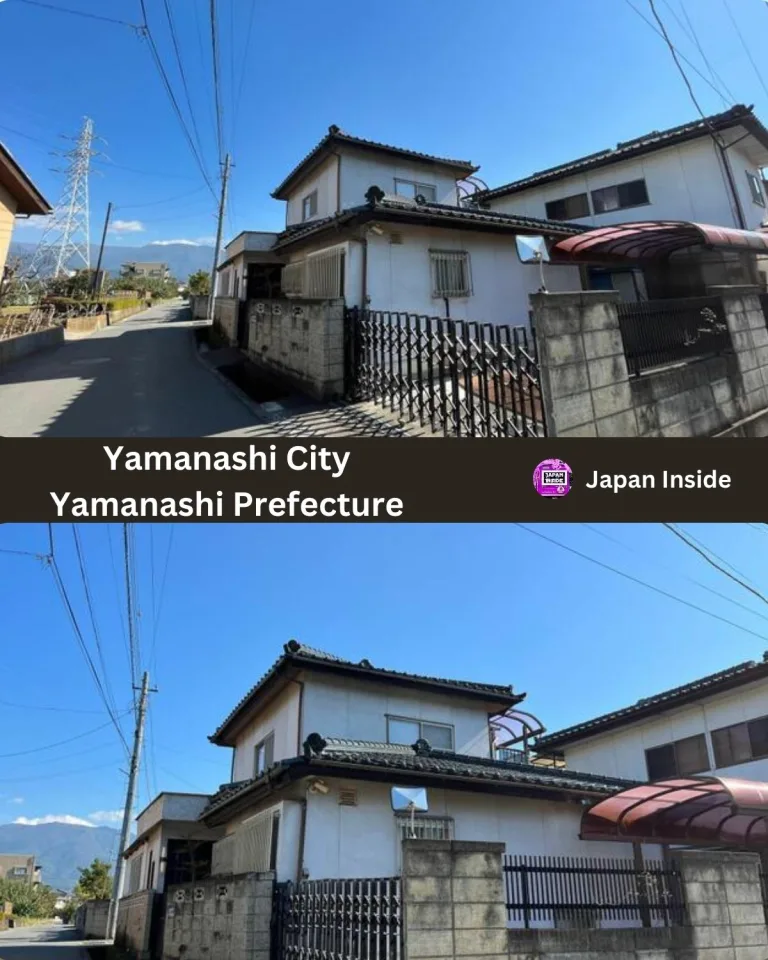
(653, 240)
(700, 811)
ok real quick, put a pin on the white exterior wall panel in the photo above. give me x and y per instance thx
(280, 717)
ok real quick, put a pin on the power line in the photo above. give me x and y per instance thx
(66, 773)
(642, 583)
(130, 606)
(58, 580)
(249, 32)
(79, 13)
(161, 596)
(679, 533)
(34, 706)
(155, 203)
(690, 30)
(177, 51)
(169, 90)
(746, 48)
(216, 84)
(58, 743)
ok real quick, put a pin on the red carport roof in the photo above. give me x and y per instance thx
(655, 239)
(703, 811)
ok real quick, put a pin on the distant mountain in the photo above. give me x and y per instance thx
(60, 848)
(182, 258)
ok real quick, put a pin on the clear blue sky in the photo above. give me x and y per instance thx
(512, 85)
(490, 603)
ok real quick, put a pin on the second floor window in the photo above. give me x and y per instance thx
(740, 742)
(755, 189)
(623, 195)
(568, 208)
(263, 755)
(450, 273)
(413, 189)
(407, 732)
(309, 206)
(678, 759)
(19, 872)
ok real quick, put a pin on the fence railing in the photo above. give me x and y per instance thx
(582, 891)
(339, 920)
(661, 332)
(461, 378)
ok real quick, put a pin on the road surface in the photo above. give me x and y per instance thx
(140, 378)
(49, 942)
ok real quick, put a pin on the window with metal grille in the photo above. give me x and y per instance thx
(325, 275)
(755, 189)
(292, 279)
(450, 273)
(134, 878)
(425, 828)
(568, 208)
(255, 843)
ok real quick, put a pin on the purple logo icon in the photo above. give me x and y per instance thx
(552, 478)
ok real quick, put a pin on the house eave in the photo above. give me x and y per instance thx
(30, 202)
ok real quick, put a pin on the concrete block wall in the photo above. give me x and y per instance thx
(453, 900)
(725, 907)
(134, 924)
(199, 307)
(225, 311)
(302, 341)
(17, 347)
(221, 918)
(642, 943)
(587, 390)
(91, 919)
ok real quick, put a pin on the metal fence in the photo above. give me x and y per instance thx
(660, 332)
(338, 920)
(582, 891)
(461, 378)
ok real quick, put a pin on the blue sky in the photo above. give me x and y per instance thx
(488, 602)
(512, 85)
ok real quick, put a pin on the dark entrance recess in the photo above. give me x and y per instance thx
(263, 281)
(188, 861)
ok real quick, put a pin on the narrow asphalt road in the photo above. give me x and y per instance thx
(140, 378)
(47, 942)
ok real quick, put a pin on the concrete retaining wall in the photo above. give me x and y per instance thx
(134, 924)
(83, 325)
(302, 341)
(17, 347)
(115, 316)
(91, 919)
(225, 311)
(222, 918)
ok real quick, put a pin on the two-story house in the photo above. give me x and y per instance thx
(708, 171)
(20, 867)
(319, 742)
(715, 725)
(384, 227)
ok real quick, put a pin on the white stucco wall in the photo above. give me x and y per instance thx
(363, 841)
(358, 711)
(399, 275)
(622, 753)
(324, 180)
(281, 716)
(361, 171)
(685, 182)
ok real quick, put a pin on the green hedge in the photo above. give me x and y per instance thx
(65, 304)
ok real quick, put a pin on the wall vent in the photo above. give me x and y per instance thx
(396, 238)
(348, 797)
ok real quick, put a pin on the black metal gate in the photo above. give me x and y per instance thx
(461, 378)
(338, 920)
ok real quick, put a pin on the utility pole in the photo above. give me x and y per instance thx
(130, 797)
(101, 250)
(219, 231)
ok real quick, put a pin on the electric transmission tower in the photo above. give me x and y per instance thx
(67, 234)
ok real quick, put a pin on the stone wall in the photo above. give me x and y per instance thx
(587, 390)
(222, 918)
(134, 924)
(453, 900)
(225, 312)
(642, 943)
(17, 347)
(91, 919)
(302, 341)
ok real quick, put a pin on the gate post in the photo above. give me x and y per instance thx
(584, 378)
(453, 900)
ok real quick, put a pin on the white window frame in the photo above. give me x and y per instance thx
(267, 745)
(421, 724)
(419, 189)
(19, 872)
(437, 269)
(309, 206)
(755, 189)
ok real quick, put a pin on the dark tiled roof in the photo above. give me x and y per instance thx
(354, 754)
(736, 676)
(303, 656)
(335, 135)
(656, 140)
(434, 214)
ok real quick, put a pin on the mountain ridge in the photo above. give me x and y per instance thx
(183, 259)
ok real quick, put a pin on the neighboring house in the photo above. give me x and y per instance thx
(171, 845)
(19, 197)
(708, 171)
(153, 271)
(717, 724)
(318, 743)
(384, 227)
(20, 866)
